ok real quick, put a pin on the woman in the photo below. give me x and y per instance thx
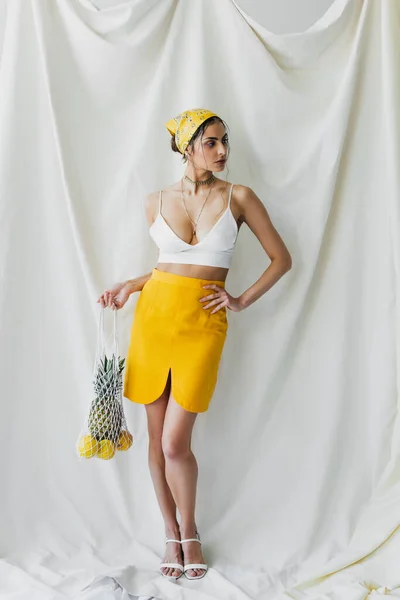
(180, 324)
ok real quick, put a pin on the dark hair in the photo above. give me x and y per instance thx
(198, 133)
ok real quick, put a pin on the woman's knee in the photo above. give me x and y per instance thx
(173, 447)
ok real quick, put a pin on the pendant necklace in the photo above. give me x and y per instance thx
(184, 204)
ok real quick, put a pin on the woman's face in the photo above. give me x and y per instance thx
(210, 149)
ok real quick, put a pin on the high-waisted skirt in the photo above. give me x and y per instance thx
(172, 331)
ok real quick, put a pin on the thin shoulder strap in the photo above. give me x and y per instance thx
(159, 202)
(230, 195)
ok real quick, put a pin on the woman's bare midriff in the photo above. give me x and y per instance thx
(196, 271)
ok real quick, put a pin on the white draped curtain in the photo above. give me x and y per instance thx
(299, 482)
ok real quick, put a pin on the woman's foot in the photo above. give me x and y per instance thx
(192, 552)
(173, 554)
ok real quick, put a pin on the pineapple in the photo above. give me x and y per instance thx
(106, 414)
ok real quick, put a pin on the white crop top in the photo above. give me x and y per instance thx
(214, 250)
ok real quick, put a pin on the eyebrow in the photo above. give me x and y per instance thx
(215, 138)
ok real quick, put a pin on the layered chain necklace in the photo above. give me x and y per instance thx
(210, 179)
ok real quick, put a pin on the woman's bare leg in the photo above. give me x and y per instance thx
(155, 422)
(181, 473)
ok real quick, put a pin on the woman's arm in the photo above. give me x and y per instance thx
(137, 284)
(117, 296)
(150, 206)
(254, 213)
(150, 202)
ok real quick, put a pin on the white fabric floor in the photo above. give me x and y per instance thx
(299, 454)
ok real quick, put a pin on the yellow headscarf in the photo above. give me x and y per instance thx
(185, 125)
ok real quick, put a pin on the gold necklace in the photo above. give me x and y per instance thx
(197, 220)
(201, 181)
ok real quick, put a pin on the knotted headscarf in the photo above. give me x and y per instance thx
(185, 125)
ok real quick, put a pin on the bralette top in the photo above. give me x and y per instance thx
(214, 250)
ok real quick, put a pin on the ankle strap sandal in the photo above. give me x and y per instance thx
(172, 565)
(194, 565)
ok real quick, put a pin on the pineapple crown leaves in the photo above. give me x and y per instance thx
(108, 378)
(108, 363)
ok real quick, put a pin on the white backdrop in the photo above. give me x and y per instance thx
(299, 452)
(285, 16)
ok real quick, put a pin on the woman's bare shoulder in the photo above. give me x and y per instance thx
(151, 206)
(151, 203)
(155, 195)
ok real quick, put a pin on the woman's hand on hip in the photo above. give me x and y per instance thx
(220, 298)
(116, 297)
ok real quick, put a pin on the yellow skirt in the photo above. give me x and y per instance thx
(172, 330)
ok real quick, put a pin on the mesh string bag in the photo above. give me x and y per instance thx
(105, 430)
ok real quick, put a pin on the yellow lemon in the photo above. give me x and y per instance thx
(106, 449)
(87, 446)
(125, 440)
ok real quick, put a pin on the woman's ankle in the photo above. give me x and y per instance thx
(172, 531)
(188, 530)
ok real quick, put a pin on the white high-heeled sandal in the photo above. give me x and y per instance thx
(171, 565)
(194, 565)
